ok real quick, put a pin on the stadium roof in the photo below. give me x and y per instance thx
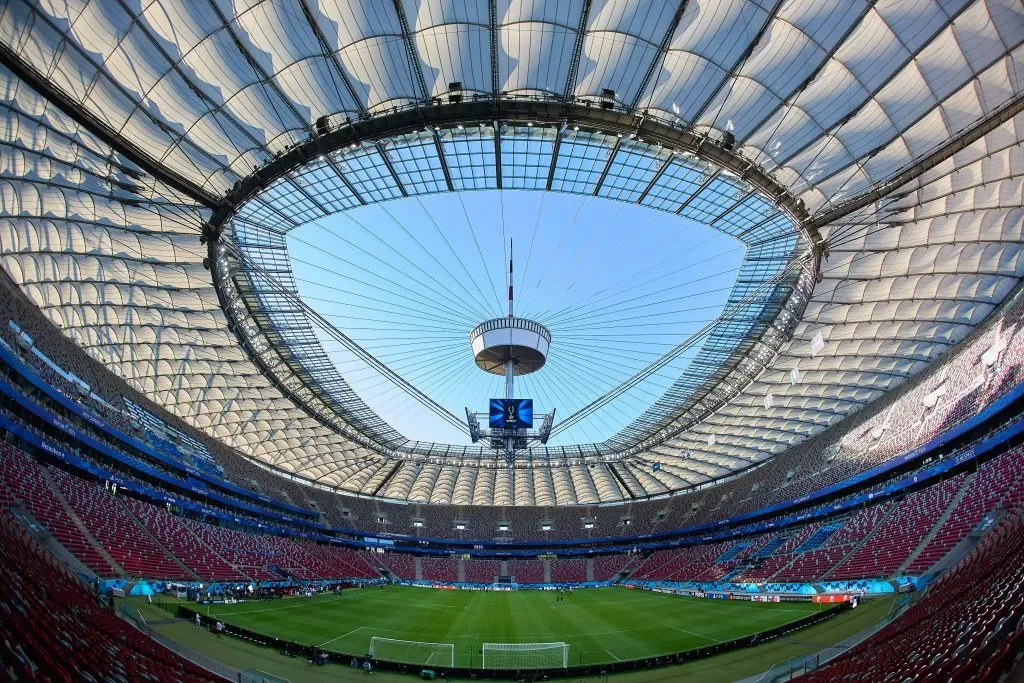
(875, 147)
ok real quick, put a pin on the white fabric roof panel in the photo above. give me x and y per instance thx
(833, 97)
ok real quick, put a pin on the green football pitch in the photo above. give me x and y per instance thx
(599, 625)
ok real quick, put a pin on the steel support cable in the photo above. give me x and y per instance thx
(613, 309)
(373, 257)
(626, 337)
(462, 264)
(414, 294)
(558, 247)
(609, 380)
(461, 305)
(437, 359)
(406, 364)
(573, 388)
(398, 323)
(441, 376)
(529, 252)
(593, 239)
(617, 351)
(612, 358)
(505, 247)
(612, 250)
(426, 379)
(347, 341)
(385, 387)
(479, 251)
(680, 348)
(395, 326)
(404, 343)
(608, 324)
(466, 377)
(562, 377)
(593, 302)
(419, 350)
(460, 375)
(594, 368)
(358, 296)
(440, 359)
(480, 313)
(623, 305)
(598, 381)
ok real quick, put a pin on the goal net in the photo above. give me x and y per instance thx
(413, 652)
(514, 656)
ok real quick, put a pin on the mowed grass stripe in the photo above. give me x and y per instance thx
(600, 625)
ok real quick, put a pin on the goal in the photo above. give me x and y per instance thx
(515, 656)
(413, 652)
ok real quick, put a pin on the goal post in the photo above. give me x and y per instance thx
(517, 656)
(413, 652)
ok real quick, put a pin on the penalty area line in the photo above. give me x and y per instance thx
(692, 633)
(355, 630)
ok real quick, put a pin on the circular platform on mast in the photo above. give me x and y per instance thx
(497, 341)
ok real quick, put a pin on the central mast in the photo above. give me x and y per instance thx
(510, 362)
(510, 346)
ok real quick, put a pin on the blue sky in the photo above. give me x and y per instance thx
(617, 284)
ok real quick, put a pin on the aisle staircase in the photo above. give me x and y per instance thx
(964, 485)
(857, 546)
(79, 524)
(199, 537)
(52, 544)
(167, 551)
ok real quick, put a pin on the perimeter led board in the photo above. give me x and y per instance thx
(511, 413)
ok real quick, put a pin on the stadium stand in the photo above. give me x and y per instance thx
(607, 567)
(28, 483)
(173, 532)
(883, 429)
(526, 571)
(440, 569)
(53, 629)
(110, 523)
(482, 571)
(967, 627)
(400, 565)
(897, 537)
(572, 570)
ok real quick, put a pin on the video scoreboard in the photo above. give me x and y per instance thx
(511, 413)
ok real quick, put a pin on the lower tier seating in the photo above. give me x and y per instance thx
(53, 629)
(968, 626)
